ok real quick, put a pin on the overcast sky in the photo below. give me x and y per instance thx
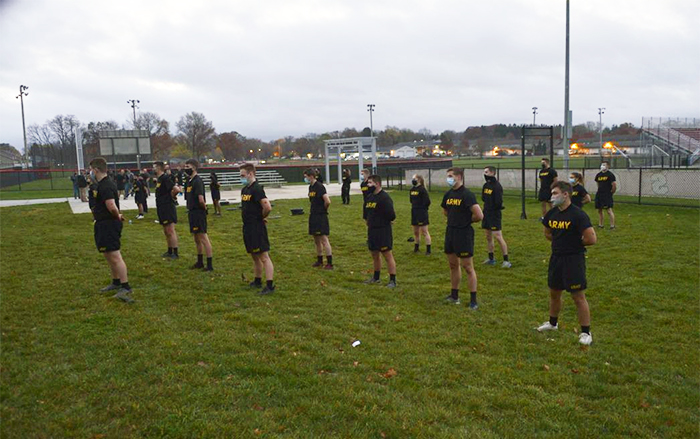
(270, 68)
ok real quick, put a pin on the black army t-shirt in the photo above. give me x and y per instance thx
(195, 188)
(492, 195)
(567, 228)
(164, 188)
(380, 210)
(547, 177)
(458, 203)
(578, 193)
(419, 198)
(316, 193)
(605, 181)
(251, 196)
(106, 190)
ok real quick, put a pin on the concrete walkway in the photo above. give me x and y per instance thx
(297, 191)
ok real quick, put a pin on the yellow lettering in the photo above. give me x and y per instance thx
(246, 197)
(575, 287)
(189, 189)
(488, 191)
(371, 205)
(312, 194)
(157, 185)
(364, 188)
(415, 193)
(454, 202)
(562, 225)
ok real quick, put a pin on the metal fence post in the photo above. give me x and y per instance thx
(640, 185)
(50, 178)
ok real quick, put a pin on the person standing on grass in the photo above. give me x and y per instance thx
(166, 209)
(420, 220)
(547, 177)
(140, 196)
(364, 175)
(197, 215)
(120, 182)
(74, 180)
(607, 186)
(83, 185)
(215, 188)
(380, 215)
(108, 230)
(579, 195)
(345, 188)
(492, 196)
(570, 231)
(461, 209)
(255, 207)
(318, 219)
(128, 183)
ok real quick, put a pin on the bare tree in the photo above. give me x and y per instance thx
(197, 133)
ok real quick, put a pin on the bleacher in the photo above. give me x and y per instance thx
(681, 140)
(231, 179)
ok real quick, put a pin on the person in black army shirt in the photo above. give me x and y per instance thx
(121, 182)
(379, 215)
(607, 186)
(318, 219)
(345, 188)
(492, 196)
(165, 206)
(570, 231)
(364, 175)
(140, 195)
(92, 192)
(579, 194)
(461, 209)
(547, 177)
(215, 188)
(108, 229)
(420, 220)
(197, 214)
(255, 207)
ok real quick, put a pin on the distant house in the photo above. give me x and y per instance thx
(405, 152)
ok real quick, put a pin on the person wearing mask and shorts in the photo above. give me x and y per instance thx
(492, 196)
(420, 218)
(607, 186)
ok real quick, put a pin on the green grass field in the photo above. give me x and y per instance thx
(200, 355)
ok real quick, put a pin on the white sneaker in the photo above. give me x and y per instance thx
(546, 326)
(139, 216)
(585, 339)
(506, 264)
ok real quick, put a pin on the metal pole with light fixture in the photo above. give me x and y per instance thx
(133, 103)
(567, 121)
(600, 128)
(370, 108)
(534, 115)
(21, 95)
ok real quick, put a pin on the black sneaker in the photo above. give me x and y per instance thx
(124, 295)
(110, 287)
(266, 291)
(207, 269)
(166, 255)
(174, 256)
(254, 285)
(428, 253)
(372, 280)
(391, 284)
(451, 300)
(197, 266)
(473, 306)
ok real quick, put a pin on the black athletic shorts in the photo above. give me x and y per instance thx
(108, 235)
(545, 194)
(255, 238)
(167, 214)
(460, 242)
(318, 225)
(567, 272)
(380, 239)
(215, 195)
(603, 201)
(492, 220)
(419, 217)
(198, 221)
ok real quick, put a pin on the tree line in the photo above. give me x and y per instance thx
(53, 143)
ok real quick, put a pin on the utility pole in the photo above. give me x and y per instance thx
(22, 93)
(534, 115)
(370, 108)
(133, 103)
(601, 111)
(567, 117)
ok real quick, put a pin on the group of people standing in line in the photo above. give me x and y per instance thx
(566, 225)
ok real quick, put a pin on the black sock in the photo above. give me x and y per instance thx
(553, 320)
(330, 259)
(416, 247)
(269, 285)
(258, 281)
(126, 286)
(116, 282)
(319, 259)
(392, 277)
(427, 248)
(473, 297)
(209, 263)
(200, 259)
(586, 329)
(454, 293)
(376, 275)
(174, 250)
(491, 257)
(170, 250)
(505, 258)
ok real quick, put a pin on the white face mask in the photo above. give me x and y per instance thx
(603, 168)
(572, 180)
(557, 201)
(450, 181)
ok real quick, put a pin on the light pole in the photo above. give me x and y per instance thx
(534, 115)
(567, 120)
(133, 103)
(22, 94)
(601, 111)
(370, 108)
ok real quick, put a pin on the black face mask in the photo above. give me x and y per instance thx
(489, 177)
(543, 166)
(414, 182)
(189, 172)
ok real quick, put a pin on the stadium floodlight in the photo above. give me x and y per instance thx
(370, 108)
(601, 111)
(567, 114)
(22, 93)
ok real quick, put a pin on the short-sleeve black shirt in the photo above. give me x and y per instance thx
(578, 194)
(605, 181)
(106, 190)
(492, 195)
(195, 188)
(567, 228)
(547, 177)
(458, 203)
(380, 210)
(316, 193)
(251, 196)
(346, 181)
(164, 188)
(419, 197)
